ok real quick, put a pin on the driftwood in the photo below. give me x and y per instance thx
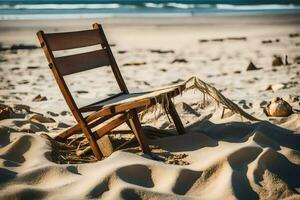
(206, 89)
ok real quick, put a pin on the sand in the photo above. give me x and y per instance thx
(220, 157)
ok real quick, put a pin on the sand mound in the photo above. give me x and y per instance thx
(249, 168)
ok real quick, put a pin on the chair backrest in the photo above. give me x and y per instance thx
(66, 65)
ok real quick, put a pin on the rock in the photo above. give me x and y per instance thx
(33, 67)
(291, 35)
(20, 111)
(64, 113)
(177, 81)
(179, 60)
(161, 51)
(244, 104)
(278, 107)
(217, 40)
(237, 38)
(122, 52)
(32, 128)
(266, 41)
(40, 118)
(215, 59)
(263, 104)
(275, 87)
(5, 111)
(18, 47)
(277, 61)
(145, 83)
(29, 128)
(52, 114)
(251, 67)
(203, 40)
(297, 59)
(62, 125)
(21, 107)
(81, 92)
(23, 82)
(134, 64)
(23, 47)
(39, 98)
(274, 70)
(3, 59)
(15, 68)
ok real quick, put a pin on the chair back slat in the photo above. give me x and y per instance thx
(82, 62)
(71, 40)
(74, 58)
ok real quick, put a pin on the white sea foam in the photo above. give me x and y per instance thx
(88, 16)
(181, 5)
(61, 6)
(147, 5)
(154, 5)
(34, 11)
(257, 7)
(204, 6)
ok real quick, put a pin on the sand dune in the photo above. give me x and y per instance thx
(261, 162)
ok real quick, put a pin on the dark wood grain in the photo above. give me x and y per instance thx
(82, 62)
(72, 40)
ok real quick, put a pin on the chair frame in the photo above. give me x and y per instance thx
(108, 117)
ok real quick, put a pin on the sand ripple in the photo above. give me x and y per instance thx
(263, 162)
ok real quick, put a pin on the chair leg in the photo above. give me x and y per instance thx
(92, 140)
(135, 125)
(176, 119)
(62, 137)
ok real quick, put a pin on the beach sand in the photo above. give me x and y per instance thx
(219, 157)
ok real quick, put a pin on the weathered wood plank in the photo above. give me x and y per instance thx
(136, 128)
(176, 119)
(109, 125)
(82, 62)
(71, 40)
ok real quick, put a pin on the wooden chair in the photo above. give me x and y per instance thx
(110, 112)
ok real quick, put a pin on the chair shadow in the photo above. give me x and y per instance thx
(242, 131)
(235, 132)
(264, 133)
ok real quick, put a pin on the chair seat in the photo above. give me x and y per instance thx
(144, 98)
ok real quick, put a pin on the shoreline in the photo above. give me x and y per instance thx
(144, 15)
(167, 18)
(28, 28)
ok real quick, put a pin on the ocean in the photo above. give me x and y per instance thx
(45, 9)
